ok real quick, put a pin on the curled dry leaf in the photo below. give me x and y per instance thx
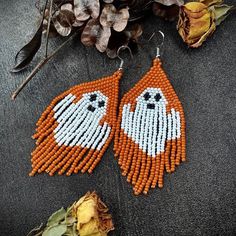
(64, 19)
(83, 9)
(27, 53)
(196, 23)
(111, 17)
(95, 34)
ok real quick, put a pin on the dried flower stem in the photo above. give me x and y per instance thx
(48, 28)
(40, 65)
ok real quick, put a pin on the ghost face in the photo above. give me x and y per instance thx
(151, 98)
(96, 102)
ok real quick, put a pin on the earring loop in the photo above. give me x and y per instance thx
(123, 47)
(159, 45)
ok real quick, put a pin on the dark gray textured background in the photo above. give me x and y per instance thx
(198, 199)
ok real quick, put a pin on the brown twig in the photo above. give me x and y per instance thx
(48, 28)
(40, 65)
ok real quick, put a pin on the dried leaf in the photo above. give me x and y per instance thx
(108, 1)
(169, 13)
(95, 34)
(56, 217)
(27, 53)
(170, 2)
(57, 230)
(64, 19)
(83, 9)
(211, 2)
(221, 12)
(110, 17)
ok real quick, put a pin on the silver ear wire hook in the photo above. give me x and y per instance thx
(123, 47)
(159, 45)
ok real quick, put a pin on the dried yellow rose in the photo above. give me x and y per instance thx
(198, 20)
(92, 216)
(196, 23)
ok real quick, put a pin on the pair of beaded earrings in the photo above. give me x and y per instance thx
(77, 127)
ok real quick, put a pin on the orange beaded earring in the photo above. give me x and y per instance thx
(76, 128)
(150, 133)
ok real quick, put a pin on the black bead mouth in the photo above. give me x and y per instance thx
(150, 106)
(91, 108)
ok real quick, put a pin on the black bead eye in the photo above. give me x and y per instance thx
(93, 97)
(157, 97)
(91, 108)
(146, 96)
(101, 104)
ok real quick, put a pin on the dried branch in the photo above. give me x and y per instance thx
(48, 28)
(41, 64)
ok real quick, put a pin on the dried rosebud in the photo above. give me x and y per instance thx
(111, 17)
(196, 23)
(95, 34)
(92, 215)
(64, 19)
(83, 9)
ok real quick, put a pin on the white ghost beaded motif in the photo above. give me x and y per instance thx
(79, 123)
(76, 128)
(149, 125)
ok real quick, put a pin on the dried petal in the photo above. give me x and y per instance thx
(108, 1)
(170, 2)
(64, 19)
(95, 34)
(110, 17)
(83, 9)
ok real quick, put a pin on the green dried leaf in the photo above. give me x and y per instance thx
(221, 12)
(57, 230)
(56, 217)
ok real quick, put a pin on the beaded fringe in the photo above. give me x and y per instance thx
(76, 128)
(150, 132)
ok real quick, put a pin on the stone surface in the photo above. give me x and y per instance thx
(198, 199)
